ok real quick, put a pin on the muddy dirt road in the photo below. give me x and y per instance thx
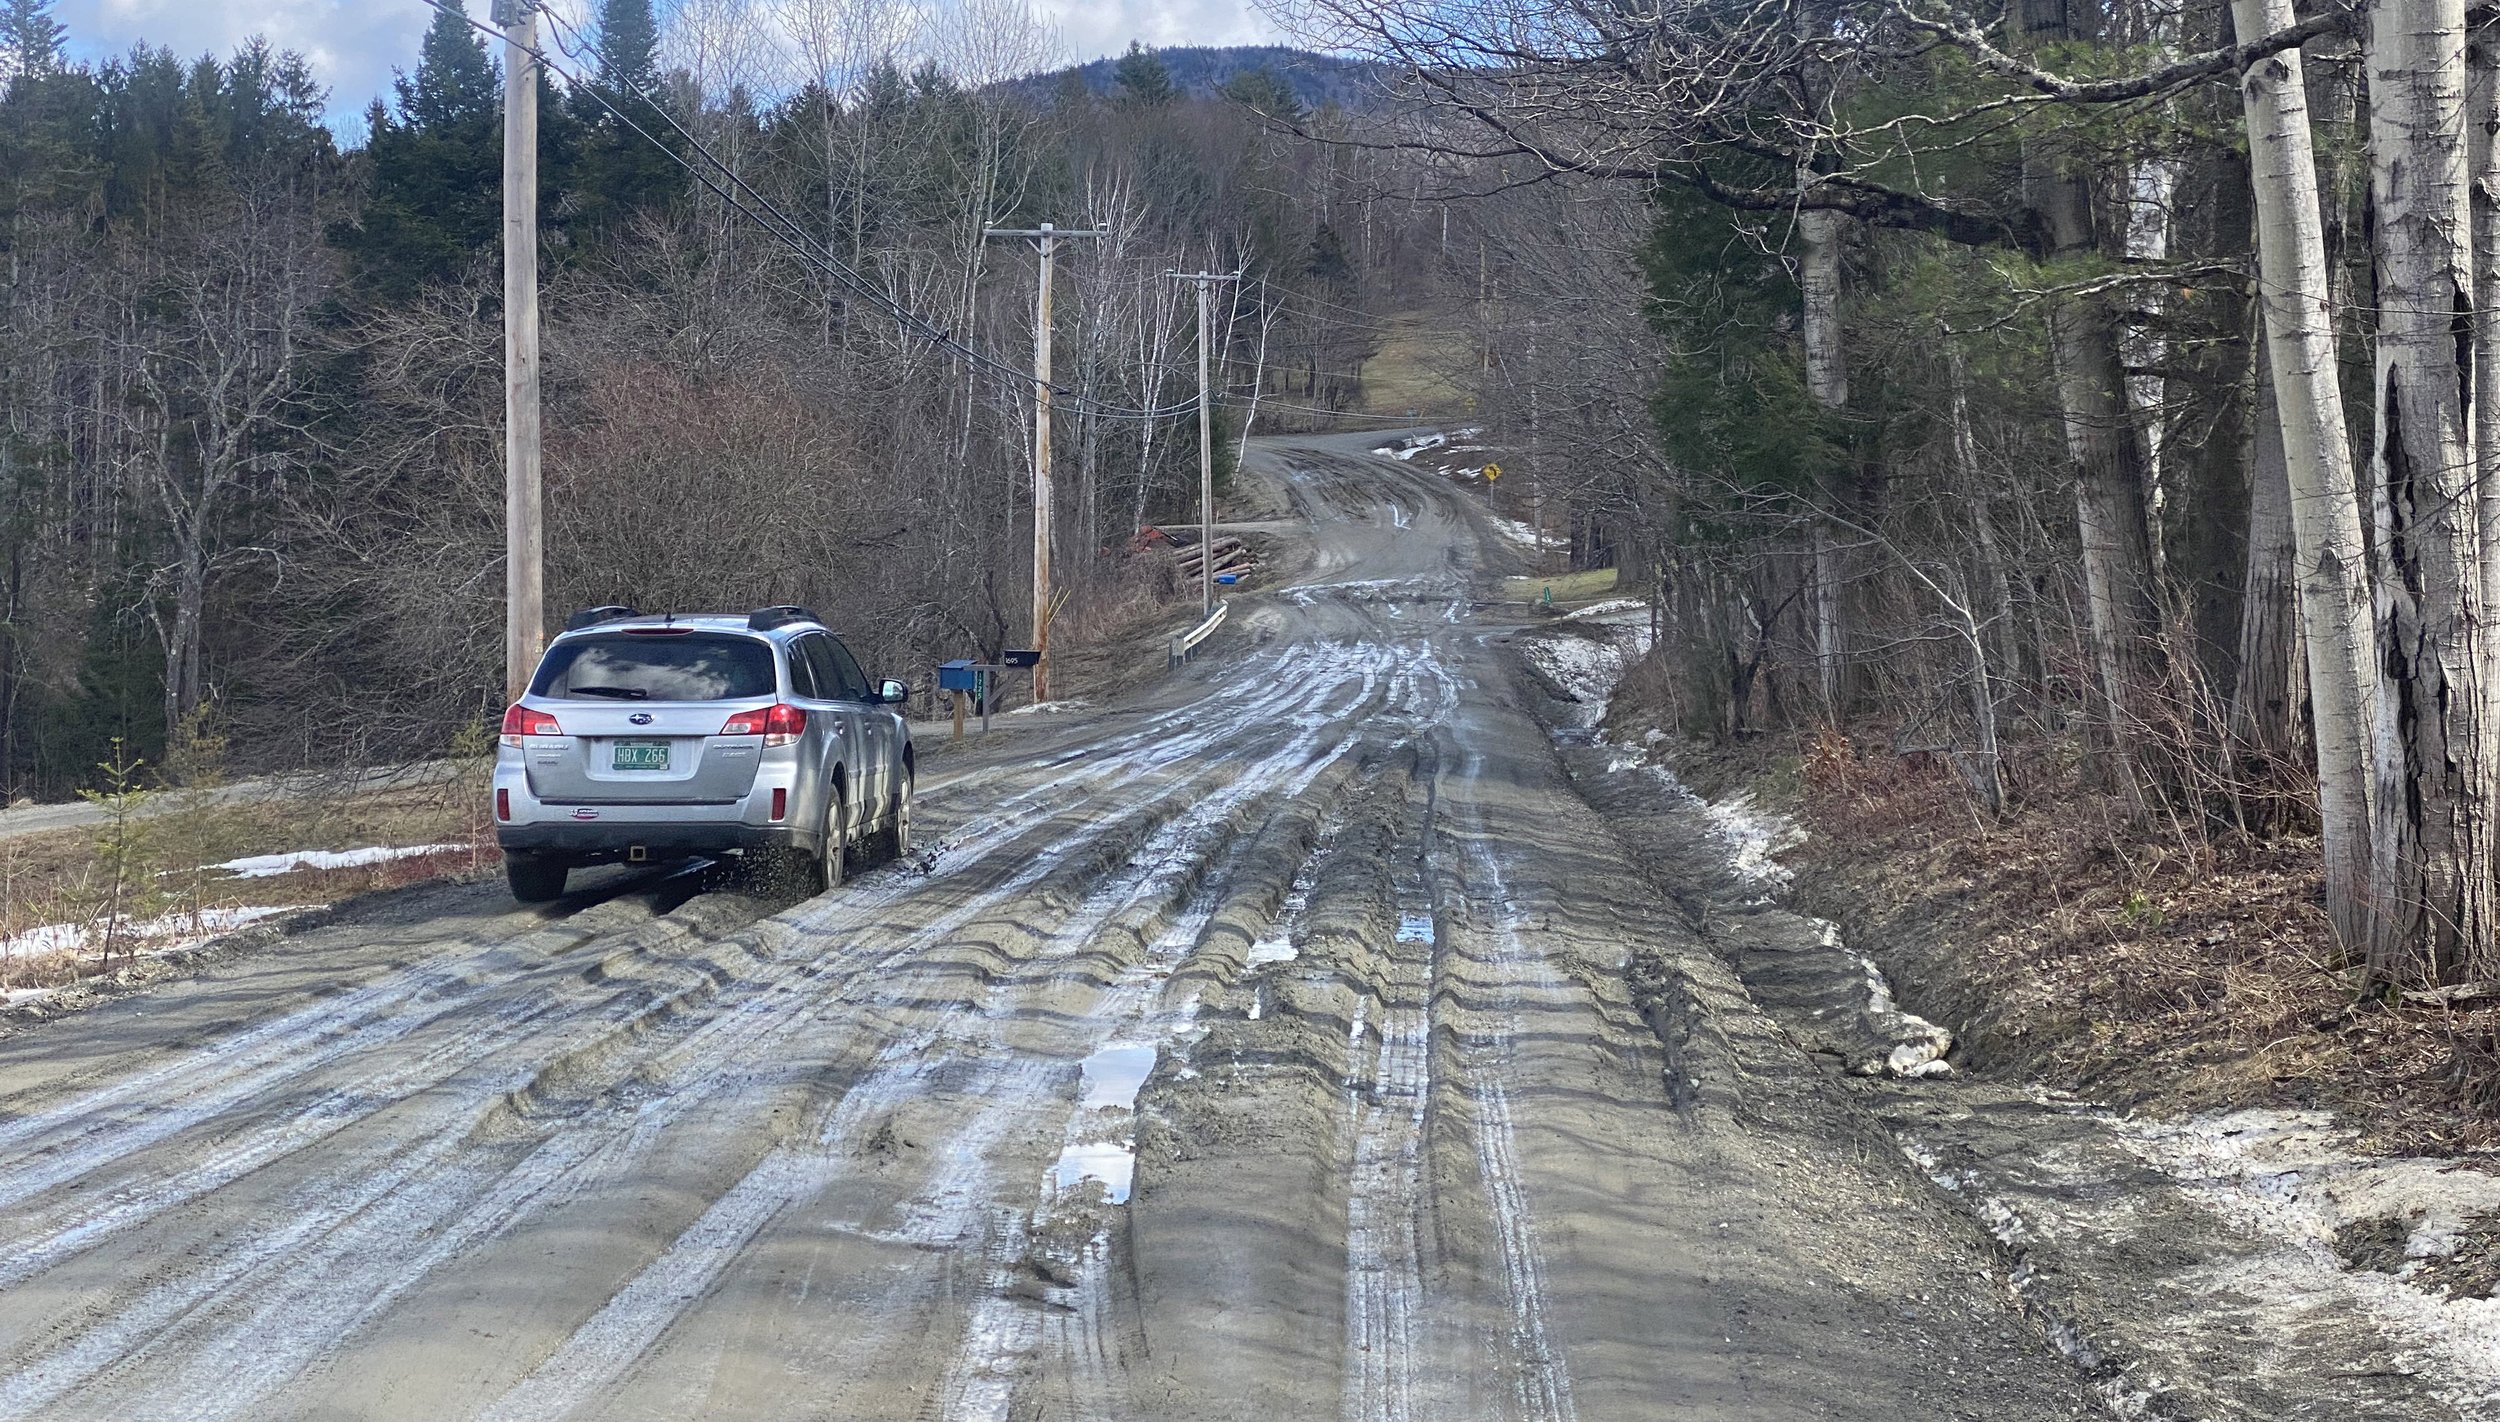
(1291, 1042)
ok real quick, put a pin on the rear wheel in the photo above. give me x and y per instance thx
(535, 879)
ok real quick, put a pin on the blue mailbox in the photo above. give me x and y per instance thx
(958, 676)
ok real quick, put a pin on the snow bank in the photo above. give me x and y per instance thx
(262, 866)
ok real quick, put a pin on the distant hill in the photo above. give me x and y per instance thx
(1202, 72)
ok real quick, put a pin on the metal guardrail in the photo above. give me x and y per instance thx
(1185, 643)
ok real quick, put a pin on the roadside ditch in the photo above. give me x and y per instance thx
(2198, 1254)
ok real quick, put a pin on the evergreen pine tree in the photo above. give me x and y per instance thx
(437, 169)
(30, 39)
(1142, 78)
(619, 174)
(629, 46)
(1265, 92)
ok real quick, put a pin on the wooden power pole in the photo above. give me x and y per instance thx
(1205, 282)
(524, 578)
(1046, 237)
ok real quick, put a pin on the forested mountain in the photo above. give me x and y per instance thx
(1205, 73)
(253, 386)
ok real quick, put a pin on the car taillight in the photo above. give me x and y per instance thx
(779, 724)
(527, 721)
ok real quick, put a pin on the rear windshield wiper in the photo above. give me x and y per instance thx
(621, 693)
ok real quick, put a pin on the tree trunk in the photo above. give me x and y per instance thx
(2109, 513)
(1827, 380)
(2111, 479)
(2335, 615)
(2433, 763)
(2264, 695)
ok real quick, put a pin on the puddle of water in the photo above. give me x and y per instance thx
(1414, 928)
(1114, 1075)
(1114, 1163)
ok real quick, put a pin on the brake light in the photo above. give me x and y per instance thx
(779, 724)
(527, 721)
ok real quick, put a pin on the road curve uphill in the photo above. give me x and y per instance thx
(1290, 1040)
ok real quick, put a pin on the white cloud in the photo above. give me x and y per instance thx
(352, 44)
(1094, 28)
(355, 44)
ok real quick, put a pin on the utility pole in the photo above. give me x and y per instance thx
(524, 575)
(1046, 237)
(1205, 282)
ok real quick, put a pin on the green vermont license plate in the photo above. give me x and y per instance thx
(641, 755)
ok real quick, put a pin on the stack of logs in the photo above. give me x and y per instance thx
(1230, 557)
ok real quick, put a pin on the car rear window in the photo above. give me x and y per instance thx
(686, 666)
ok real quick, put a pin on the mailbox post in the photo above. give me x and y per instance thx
(965, 677)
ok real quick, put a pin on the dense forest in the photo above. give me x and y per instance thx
(2015, 384)
(252, 383)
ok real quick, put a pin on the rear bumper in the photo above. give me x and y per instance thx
(597, 842)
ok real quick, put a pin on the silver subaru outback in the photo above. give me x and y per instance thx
(650, 737)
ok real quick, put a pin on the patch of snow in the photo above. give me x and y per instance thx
(1609, 608)
(1585, 668)
(154, 935)
(1523, 533)
(263, 866)
(1756, 837)
(2292, 1179)
(1272, 950)
(1050, 708)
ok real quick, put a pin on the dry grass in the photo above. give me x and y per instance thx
(1568, 587)
(2071, 947)
(58, 877)
(1423, 364)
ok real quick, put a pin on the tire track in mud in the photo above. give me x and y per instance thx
(1003, 1329)
(1385, 1199)
(1540, 1374)
(333, 1197)
(950, 1204)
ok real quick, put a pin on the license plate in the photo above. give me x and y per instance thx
(641, 755)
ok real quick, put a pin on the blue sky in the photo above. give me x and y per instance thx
(354, 44)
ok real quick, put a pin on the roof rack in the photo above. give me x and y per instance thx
(593, 616)
(765, 619)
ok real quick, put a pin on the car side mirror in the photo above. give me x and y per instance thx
(892, 692)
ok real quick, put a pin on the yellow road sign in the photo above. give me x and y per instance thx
(1492, 472)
